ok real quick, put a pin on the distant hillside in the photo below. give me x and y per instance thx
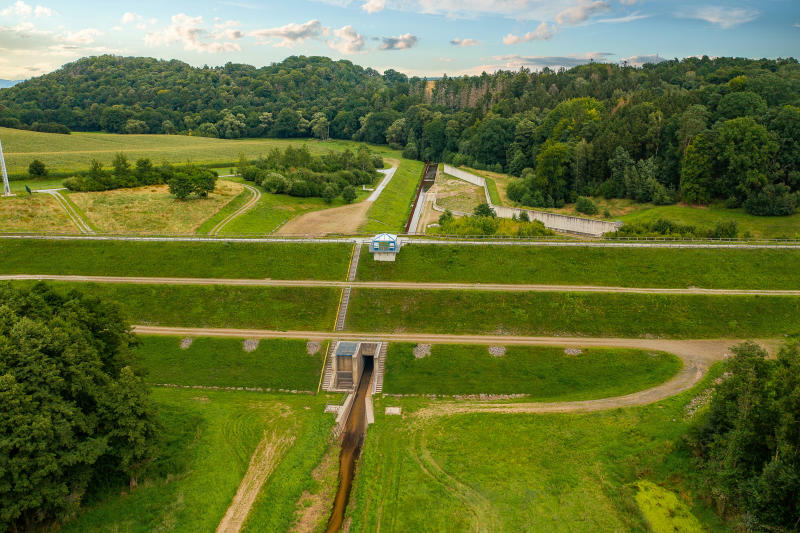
(5, 84)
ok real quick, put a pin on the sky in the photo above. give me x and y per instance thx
(417, 37)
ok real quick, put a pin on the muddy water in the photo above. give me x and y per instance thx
(353, 438)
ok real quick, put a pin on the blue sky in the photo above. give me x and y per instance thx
(422, 37)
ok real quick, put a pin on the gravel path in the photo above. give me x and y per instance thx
(255, 196)
(494, 287)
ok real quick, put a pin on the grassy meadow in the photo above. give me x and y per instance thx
(526, 472)
(392, 209)
(152, 209)
(617, 267)
(38, 212)
(69, 153)
(206, 306)
(543, 373)
(573, 314)
(206, 446)
(212, 362)
(175, 259)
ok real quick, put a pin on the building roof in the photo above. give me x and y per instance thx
(346, 348)
(385, 237)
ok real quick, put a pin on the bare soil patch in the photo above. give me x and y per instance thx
(262, 463)
(344, 219)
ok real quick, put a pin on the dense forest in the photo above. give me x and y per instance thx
(696, 130)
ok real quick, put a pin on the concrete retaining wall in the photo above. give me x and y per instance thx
(553, 221)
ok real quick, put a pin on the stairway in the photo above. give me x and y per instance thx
(380, 368)
(351, 276)
(327, 380)
(343, 309)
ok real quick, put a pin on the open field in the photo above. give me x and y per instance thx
(275, 364)
(65, 153)
(38, 212)
(391, 211)
(578, 314)
(458, 195)
(207, 443)
(342, 219)
(228, 210)
(618, 267)
(218, 307)
(491, 472)
(175, 259)
(152, 209)
(543, 373)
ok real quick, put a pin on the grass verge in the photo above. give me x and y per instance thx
(175, 259)
(197, 306)
(207, 440)
(578, 314)
(508, 472)
(620, 267)
(494, 194)
(392, 209)
(275, 364)
(229, 208)
(544, 373)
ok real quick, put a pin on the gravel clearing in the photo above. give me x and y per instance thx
(313, 347)
(573, 351)
(497, 351)
(250, 345)
(186, 342)
(422, 351)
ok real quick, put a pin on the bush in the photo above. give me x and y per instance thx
(484, 210)
(777, 200)
(195, 181)
(349, 194)
(586, 206)
(37, 169)
(275, 183)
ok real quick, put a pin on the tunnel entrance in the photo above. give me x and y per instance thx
(352, 441)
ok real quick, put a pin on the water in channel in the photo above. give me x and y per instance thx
(354, 431)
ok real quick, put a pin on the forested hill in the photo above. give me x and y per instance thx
(697, 129)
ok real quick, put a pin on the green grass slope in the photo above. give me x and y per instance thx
(175, 259)
(275, 364)
(623, 267)
(544, 373)
(580, 314)
(392, 209)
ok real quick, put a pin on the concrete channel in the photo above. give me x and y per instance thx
(355, 429)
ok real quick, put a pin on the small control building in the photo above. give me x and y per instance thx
(385, 247)
(349, 361)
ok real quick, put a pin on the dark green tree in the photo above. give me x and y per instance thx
(37, 169)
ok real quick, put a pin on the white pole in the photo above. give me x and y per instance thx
(6, 186)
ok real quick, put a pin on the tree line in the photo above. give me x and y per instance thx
(698, 130)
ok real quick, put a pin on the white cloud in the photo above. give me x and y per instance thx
(86, 36)
(638, 61)
(130, 18)
(374, 6)
(227, 30)
(582, 11)
(349, 41)
(21, 9)
(189, 32)
(400, 42)
(543, 32)
(627, 18)
(797, 24)
(290, 34)
(464, 42)
(724, 17)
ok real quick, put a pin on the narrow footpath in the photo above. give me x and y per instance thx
(255, 196)
(74, 215)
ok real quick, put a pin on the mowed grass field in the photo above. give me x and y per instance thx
(65, 153)
(212, 362)
(573, 314)
(391, 210)
(207, 441)
(152, 209)
(543, 373)
(271, 308)
(510, 473)
(38, 212)
(175, 259)
(614, 267)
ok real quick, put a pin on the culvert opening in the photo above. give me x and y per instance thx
(352, 440)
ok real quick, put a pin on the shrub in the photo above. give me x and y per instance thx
(37, 169)
(484, 210)
(586, 206)
(349, 194)
(777, 200)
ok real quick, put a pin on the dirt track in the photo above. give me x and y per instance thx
(697, 357)
(255, 196)
(495, 287)
(344, 219)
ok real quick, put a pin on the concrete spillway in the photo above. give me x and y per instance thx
(352, 440)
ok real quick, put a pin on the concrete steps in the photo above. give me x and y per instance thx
(343, 309)
(380, 368)
(351, 276)
(327, 379)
